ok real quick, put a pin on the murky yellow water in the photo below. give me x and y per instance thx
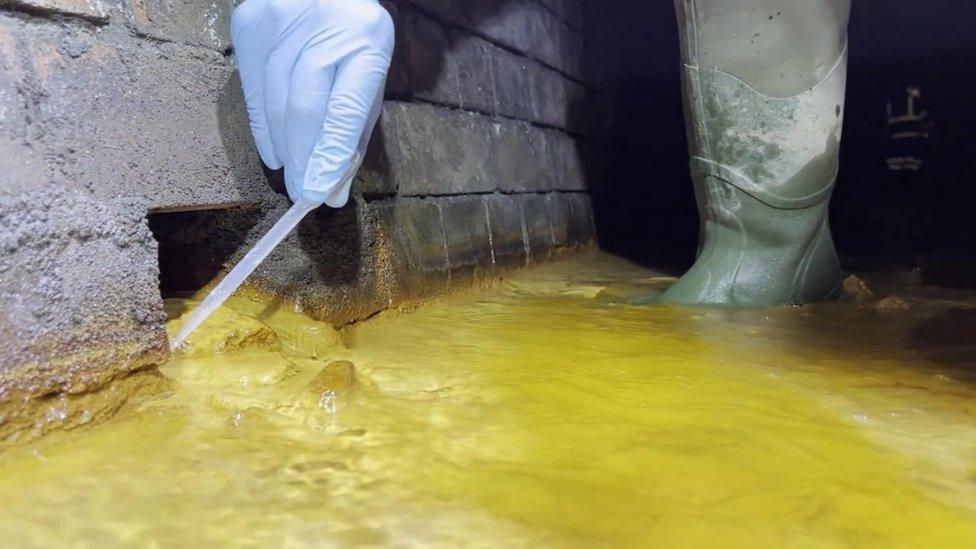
(547, 411)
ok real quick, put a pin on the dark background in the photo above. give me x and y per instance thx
(646, 209)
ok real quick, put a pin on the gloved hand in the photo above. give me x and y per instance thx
(313, 73)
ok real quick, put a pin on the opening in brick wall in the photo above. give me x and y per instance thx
(195, 246)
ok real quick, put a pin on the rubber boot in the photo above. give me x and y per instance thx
(764, 147)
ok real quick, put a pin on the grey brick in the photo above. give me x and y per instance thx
(558, 205)
(546, 31)
(535, 216)
(577, 116)
(564, 161)
(581, 228)
(196, 22)
(571, 58)
(20, 163)
(466, 231)
(437, 151)
(140, 121)
(512, 79)
(410, 252)
(451, 11)
(507, 233)
(469, 62)
(374, 178)
(572, 13)
(555, 98)
(553, 5)
(549, 98)
(593, 157)
(503, 22)
(441, 66)
(421, 232)
(554, 42)
(426, 59)
(398, 78)
(458, 69)
(519, 157)
(86, 9)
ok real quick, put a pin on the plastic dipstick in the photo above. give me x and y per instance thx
(242, 270)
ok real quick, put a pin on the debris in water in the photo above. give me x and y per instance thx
(892, 303)
(858, 290)
(334, 384)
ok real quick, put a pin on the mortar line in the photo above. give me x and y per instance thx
(541, 125)
(501, 45)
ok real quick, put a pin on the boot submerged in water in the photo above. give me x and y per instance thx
(764, 96)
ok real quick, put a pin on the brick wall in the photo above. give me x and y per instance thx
(123, 115)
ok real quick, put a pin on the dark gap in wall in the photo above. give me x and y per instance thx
(644, 202)
(195, 246)
(331, 240)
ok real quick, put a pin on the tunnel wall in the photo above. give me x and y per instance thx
(125, 147)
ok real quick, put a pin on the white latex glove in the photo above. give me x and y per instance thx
(313, 73)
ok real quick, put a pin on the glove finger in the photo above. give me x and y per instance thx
(298, 30)
(277, 84)
(253, 39)
(308, 100)
(350, 112)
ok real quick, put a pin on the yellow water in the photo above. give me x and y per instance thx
(546, 411)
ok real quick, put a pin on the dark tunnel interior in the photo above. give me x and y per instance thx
(880, 209)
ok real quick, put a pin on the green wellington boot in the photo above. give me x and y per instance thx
(764, 103)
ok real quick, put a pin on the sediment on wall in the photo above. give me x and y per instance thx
(343, 266)
(80, 304)
(27, 419)
(121, 114)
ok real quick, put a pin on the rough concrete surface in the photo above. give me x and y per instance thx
(86, 9)
(195, 23)
(80, 298)
(117, 116)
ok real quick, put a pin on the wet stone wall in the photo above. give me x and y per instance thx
(128, 166)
